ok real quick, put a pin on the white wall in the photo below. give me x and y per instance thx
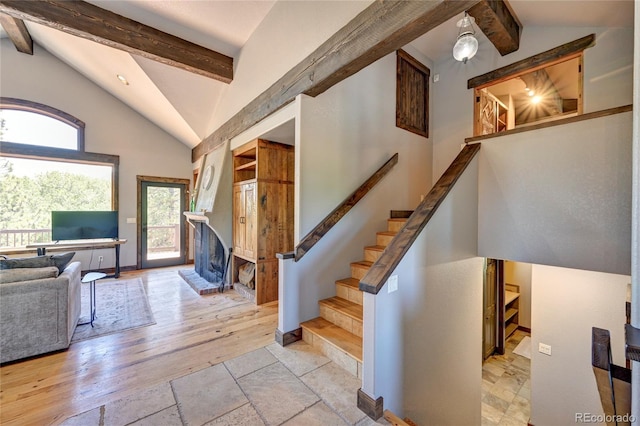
(566, 304)
(111, 128)
(272, 51)
(559, 196)
(607, 80)
(343, 137)
(635, 213)
(428, 334)
(519, 273)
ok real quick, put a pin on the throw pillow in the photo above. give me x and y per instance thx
(26, 262)
(27, 274)
(62, 260)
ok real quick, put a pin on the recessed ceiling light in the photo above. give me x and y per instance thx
(536, 99)
(122, 79)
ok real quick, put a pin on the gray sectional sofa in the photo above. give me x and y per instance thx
(39, 309)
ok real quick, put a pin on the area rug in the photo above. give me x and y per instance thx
(120, 305)
(524, 347)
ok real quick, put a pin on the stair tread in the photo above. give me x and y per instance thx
(390, 233)
(350, 282)
(339, 337)
(376, 248)
(362, 263)
(397, 219)
(351, 309)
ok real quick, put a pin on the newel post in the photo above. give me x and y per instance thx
(288, 330)
(369, 401)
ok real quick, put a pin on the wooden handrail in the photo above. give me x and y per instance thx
(558, 122)
(343, 208)
(397, 421)
(382, 268)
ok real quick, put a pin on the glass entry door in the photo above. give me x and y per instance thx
(162, 227)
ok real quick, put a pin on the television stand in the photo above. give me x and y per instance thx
(41, 248)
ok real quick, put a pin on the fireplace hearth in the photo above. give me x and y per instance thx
(209, 273)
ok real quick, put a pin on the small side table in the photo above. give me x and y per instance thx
(91, 278)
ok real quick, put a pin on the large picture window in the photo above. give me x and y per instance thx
(43, 167)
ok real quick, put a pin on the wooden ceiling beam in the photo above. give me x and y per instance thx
(496, 20)
(380, 29)
(18, 33)
(85, 20)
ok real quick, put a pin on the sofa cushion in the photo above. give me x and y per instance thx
(26, 274)
(58, 260)
(62, 260)
(26, 262)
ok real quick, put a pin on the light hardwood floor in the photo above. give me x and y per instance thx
(191, 333)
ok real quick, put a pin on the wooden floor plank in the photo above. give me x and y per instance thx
(192, 332)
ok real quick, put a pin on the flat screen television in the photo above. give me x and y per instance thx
(79, 225)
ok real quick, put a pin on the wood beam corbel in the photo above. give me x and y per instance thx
(378, 30)
(18, 33)
(85, 20)
(496, 20)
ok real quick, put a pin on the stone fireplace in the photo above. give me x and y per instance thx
(209, 258)
(211, 261)
(212, 221)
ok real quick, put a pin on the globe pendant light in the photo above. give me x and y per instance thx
(467, 45)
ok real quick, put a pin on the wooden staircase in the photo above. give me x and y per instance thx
(337, 332)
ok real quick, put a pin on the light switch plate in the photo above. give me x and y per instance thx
(544, 349)
(131, 220)
(393, 283)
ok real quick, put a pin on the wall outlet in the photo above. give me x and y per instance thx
(131, 220)
(393, 283)
(100, 259)
(544, 349)
(436, 78)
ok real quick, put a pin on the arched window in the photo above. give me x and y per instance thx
(44, 168)
(31, 123)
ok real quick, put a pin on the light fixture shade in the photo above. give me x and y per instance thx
(465, 48)
(466, 45)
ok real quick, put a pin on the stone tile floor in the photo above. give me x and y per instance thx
(269, 386)
(506, 386)
(295, 385)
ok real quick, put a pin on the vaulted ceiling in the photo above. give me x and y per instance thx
(184, 103)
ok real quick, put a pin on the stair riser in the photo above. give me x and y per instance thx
(395, 225)
(349, 293)
(383, 240)
(341, 320)
(358, 272)
(335, 354)
(371, 255)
